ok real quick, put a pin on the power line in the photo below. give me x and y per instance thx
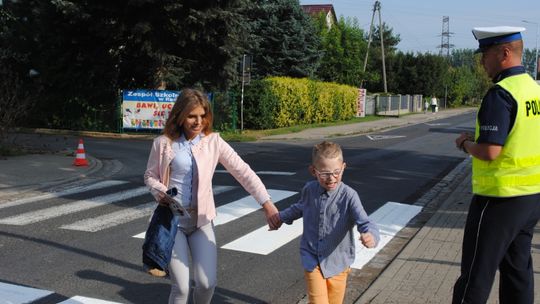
(445, 38)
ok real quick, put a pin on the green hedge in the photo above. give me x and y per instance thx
(277, 102)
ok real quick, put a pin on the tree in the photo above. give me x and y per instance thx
(18, 92)
(343, 46)
(284, 40)
(16, 99)
(529, 58)
(86, 51)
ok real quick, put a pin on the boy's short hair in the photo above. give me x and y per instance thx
(326, 149)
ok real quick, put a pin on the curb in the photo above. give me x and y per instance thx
(84, 133)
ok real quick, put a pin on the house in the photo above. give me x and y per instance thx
(327, 9)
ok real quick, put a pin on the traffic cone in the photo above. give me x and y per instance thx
(80, 159)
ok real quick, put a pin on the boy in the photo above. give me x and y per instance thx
(330, 210)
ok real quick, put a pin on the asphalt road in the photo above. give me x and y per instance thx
(398, 165)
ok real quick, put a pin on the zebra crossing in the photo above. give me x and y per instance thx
(391, 218)
(227, 213)
(15, 294)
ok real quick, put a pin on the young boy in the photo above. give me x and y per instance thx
(330, 210)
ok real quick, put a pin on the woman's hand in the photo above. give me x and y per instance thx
(164, 200)
(270, 211)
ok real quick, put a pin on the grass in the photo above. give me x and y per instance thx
(253, 135)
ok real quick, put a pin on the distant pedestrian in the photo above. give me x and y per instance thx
(330, 210)
(426, 106)
(433, 104)
(184, 159)
(505, 176)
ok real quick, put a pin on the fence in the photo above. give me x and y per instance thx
(393, 105)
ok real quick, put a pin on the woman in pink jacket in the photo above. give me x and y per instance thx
(185, 158)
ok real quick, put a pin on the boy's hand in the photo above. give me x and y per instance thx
(367, 240)
(272, 215)
(277, 220)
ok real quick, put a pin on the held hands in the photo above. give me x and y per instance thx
(367, 240)
(272, 215)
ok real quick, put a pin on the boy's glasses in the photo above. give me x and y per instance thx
(336, 173)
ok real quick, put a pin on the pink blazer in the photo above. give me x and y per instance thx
(210, 150)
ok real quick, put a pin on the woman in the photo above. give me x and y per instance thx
(185, 158)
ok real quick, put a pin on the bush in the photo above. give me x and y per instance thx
(277, 102)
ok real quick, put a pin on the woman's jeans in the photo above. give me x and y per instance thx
(200, 243)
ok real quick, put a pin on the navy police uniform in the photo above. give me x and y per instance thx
(499, 229)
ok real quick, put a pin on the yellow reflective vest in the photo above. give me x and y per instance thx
(516, 171)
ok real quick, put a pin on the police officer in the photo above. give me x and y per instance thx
(505, 176)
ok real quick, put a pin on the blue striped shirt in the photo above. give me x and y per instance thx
(329, 220)
(183, 170)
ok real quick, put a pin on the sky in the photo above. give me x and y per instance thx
(419, 22)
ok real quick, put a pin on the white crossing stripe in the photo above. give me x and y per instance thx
(264, 172)
(99, 185)
(275, 173)
(112, 219)
(262, 241)
(380, 137)
(245, 206)
(220, 189)
(85, 300)
(10, 293)
(215, 189)
(52, 212)
(390, 218)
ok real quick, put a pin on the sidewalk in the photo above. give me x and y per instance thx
(370, 126)
(28, 173)
(427, 268)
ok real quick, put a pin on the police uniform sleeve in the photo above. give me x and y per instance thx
(496, 116)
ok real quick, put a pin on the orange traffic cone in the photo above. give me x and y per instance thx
(80, 159)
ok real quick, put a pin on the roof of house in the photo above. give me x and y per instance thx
(316, 9)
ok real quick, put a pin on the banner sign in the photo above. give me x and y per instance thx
(361, 103)
(146, 109)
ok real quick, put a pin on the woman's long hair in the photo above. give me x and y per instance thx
(188, 100)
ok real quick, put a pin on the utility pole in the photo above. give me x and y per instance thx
(381, 30)
(376, 7)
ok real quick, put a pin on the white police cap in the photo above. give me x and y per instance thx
(488, 36)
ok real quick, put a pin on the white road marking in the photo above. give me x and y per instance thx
(390, 218)
(112, 219)
(380, 137)
(52, 212)
(275, 173)
(437, 124)
(85, 300)
(220, 189)
(262, 241)
(245, 206)
(99, 185)
(10, 293)
(264, 172)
